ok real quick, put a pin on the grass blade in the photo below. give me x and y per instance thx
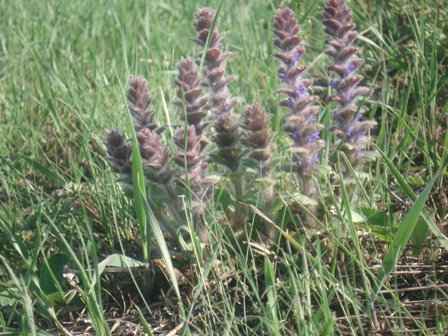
(272, 295)
(138, 183)
(442, 239)
(161, 243)
(404, 233)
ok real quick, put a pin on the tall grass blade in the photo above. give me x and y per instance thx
(138, 183)
(404, 233)
(442, 239)
(144, 323)
(161, 243)
(269, 277)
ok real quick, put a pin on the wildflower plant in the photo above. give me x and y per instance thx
(190, 142)
(155, 155)
(226, 125)
(258, 139)
(221, 105)
(350, 129)
(301, 121)
(241, 150)
(190, 97)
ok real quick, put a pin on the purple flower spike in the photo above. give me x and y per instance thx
(155, 156)
(349, 128)
(190, 96)
(258, 136)
(301, 123)
(349, 97)
(220, 103)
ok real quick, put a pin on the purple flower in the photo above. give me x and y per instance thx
(338, 25)
(351, 132)
(296, 136)
(301, 121)
(282, 77)
(337, 117)
(302, 92)
(314, 136)
(220, 103)
(350, 68)
(296, 57)
(313, 160)
(349, 97)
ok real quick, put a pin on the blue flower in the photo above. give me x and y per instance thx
(302, 91)
(350, 68)
(349, 96)
(354, 135)
(314, 159)
(296, 57)
(338, 118)
(283, 77)
(296, 136)
(313, 136)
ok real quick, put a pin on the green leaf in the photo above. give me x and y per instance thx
(51, 275)
(304, 200)
(9, 297)
(377, 222)
(40, 332)
(328, 328)
(138, 182)
(144, 322)
(384, 233)
(226, 198)
(56, 299)
(119, 260)
(419, 236)
(356, 217)
(375, 217)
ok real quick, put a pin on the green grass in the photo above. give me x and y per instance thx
(64, 67)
